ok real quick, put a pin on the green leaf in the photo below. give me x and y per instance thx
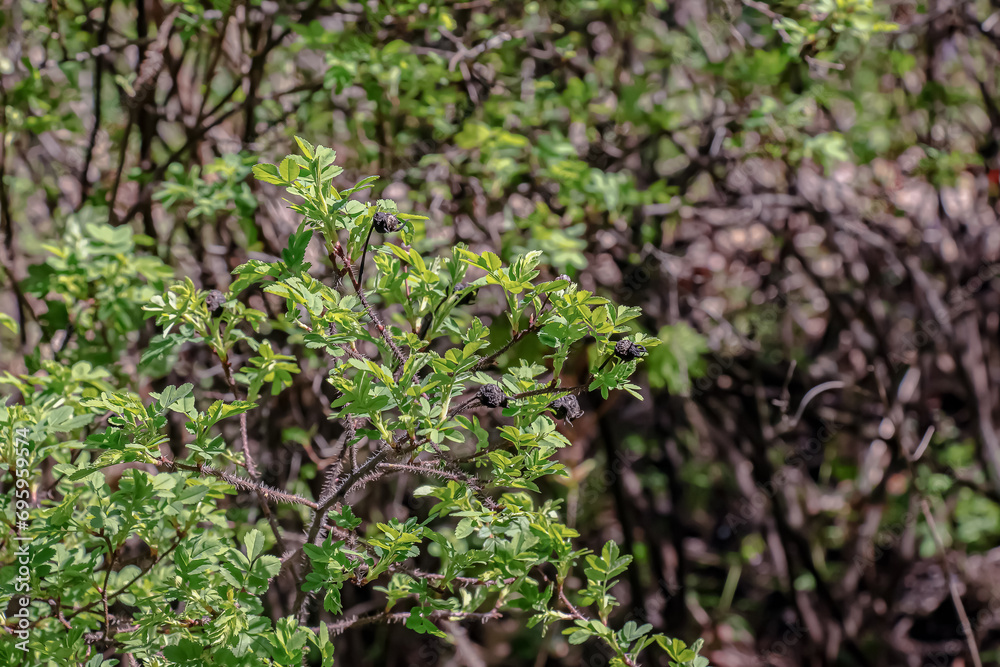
(255, 543)
(8, 321)
(289, 170)
(419, 621)
(268, 173)
(305, 147)
(295, 253)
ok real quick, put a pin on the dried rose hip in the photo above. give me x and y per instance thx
(385, 223)
(626, 350)
(214, 301)
(492, 396)
(567, 408)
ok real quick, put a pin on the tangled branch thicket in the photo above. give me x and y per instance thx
(800, 197)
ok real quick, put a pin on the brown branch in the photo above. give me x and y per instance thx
(241, 483)
(401, 616)
(450, 473)
(148, 69)
(372, 313)
(952, 585)
(319, 518)
(251, 465)
(487, 361)
(574, 612)
(461, 581)
(102, 38)
(124, 588)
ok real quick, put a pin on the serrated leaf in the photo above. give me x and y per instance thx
(268, 173)
(305, 147)
(289, 170)
(255, 543)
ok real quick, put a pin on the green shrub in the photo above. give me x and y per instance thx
(407, 362)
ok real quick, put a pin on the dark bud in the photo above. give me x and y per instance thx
(214, 301)
(492, 396)
(385, 223)
(563, 276)
(567, 408)
(626, 350)
(468, 298)
(425, 324)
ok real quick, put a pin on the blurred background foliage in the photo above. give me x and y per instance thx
(798, 195)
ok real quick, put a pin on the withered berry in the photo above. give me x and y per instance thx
(567, 408)
(626, 350)
(492, 396)
(214, 301)
(385, 223)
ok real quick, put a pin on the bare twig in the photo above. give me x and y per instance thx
(372, 313)
(251, 465)
(401, 616)
(142, 572)
(488, 360)
(241, 483)
(952, 584)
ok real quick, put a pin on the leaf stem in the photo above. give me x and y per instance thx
(338, 250)
(364, 253)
